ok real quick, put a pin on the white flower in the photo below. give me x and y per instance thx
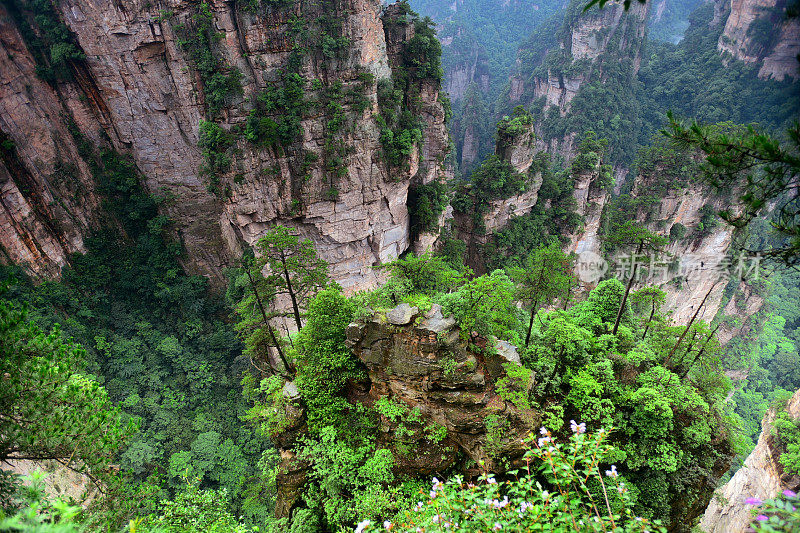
(418, 507)
(497, 504)
(497, 526)
(432, 494)
(362, 526)
(387, 525)
(612, 472)
(543, 441)
(491, 481)
(577, 428)
(543, 430)
(621, 488)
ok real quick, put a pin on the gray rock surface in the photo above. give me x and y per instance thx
(401, 315)
(507, 351)
(435, 321)
(290, 391)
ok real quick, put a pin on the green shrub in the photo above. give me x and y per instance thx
(425, 205)
(198, 37)
(677, 232)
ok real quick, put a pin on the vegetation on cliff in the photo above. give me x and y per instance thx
(660, 389)
(290, 428)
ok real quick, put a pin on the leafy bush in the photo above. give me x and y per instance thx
(325, 363)
(215, 143)
(511, 127)
(425, 205)
(677, 232)
(53, 46)
(422, 54)
(787, 431)
(275, 119)
(781, 513)
(483, 304)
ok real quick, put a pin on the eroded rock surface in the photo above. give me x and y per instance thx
(758, 31)
(761, 476)
(444, 386)
(139, 92)
(429, 366)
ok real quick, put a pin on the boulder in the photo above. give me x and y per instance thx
(402, 315)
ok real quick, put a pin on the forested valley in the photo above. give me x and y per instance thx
(419, 266)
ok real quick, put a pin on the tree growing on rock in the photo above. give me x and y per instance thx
(651, 299)
(628, 236)
(284, 266)
(293, 268)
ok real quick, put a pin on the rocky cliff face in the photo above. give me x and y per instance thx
(693, 264)
(761, 477)
(472, 67)
(46, 190)
(424, 366)
(140, 90)
(758, 31)
(588, 44)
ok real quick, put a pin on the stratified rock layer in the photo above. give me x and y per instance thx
(428, 365)
(138, 89)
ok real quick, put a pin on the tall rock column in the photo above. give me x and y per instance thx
(140, 89)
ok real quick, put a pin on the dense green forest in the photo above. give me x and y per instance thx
(247, 408)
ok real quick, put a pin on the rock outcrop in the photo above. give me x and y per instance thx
(758, 31)
(139, 92)
(427, 364)
(518, 151)
(423, 366)
(761, 476)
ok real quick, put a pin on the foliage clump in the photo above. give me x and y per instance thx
(53, 46)
(198, 38)
(579, 497)
(426, 203)
(275, 118)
